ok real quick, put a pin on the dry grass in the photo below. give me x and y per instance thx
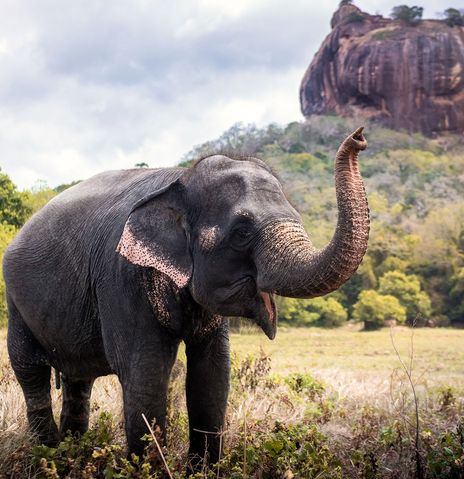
(364, 394)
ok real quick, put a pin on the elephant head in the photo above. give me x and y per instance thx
(225, 230)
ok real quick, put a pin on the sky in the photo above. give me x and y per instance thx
(92, 85)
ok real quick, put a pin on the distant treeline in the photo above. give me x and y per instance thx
(414, 269)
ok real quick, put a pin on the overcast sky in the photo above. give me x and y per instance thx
(92, 85)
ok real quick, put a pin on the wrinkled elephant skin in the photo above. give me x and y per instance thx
(115, 272)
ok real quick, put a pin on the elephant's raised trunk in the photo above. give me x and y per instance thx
(289, 265)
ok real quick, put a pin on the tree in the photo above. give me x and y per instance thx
(408, 15)
(373, 309)
(454, 17)
(407, 289)
(142, 164)
(7, 233)
(39, 195)
(65, 186)
(326, 312)
(13, 210)
(331, 312)
(345, 2)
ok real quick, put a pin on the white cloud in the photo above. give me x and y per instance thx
(93, 85)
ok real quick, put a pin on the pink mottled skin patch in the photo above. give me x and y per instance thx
(208, 237)
(138, 253)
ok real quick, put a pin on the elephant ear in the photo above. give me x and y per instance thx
(154, 235)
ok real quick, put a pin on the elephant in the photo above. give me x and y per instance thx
(115, 272)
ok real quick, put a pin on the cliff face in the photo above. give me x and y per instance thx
(406, 77)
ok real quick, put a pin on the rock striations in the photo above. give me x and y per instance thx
(406, 77)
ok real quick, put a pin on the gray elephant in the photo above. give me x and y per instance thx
(115, 272)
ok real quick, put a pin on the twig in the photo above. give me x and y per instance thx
(408, 372)
(244, 445)
(158, 446)
(219, 457)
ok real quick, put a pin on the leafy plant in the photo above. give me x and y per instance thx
(407, 289)
(305, 384)
(408, 15)
(286, 451)
(374, 309)
(445, 458)
(13, 210)
(454, 17)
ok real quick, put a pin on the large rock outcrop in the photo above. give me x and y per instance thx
(406, 77)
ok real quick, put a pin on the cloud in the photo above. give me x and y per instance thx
(92, 85)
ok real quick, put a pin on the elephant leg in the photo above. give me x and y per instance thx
(76, 405)
(208, 370)
(33, 373)
(145, 387)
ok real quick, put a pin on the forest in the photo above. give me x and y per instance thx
(413, 272)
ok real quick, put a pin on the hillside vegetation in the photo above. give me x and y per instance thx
(414, 268)
(413, 271)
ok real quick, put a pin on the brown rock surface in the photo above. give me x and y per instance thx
(406, 77)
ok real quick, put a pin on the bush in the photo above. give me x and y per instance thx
(287, 451)
(305, 384)
(13, 210)
(374, 309)
(325, 312)
(445, 457)
(7, 233)
(354, 17)
(407, 289)
(454, 17)
(408, 15)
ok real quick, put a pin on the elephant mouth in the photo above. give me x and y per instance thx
(267, 315)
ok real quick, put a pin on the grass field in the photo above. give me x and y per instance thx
(438, 353)
(346, 383)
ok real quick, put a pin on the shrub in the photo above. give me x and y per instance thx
(454, 17)
(252, 371)
(408, 15)
(445, 458)
(374, 309)
(93, 452)
(13, 210)
(407, 289)
(305, 384)
(354, 17)
(7, 233)
(286, 451)
(326, 312)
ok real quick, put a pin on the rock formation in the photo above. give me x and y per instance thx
(406, 77)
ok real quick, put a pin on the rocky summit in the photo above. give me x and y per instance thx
(407, 77)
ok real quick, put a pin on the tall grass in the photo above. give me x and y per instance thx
(331, 423)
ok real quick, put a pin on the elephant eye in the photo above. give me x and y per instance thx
(241, 237)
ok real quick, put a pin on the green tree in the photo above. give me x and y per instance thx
(454, 17)
(39, 195)
(407, 289)
(392, 263)
(142, 164)
(456, 297)
(13, 210)
(7, 233)
(408, 15)
(331, 312)
(373, 309)
(326, 312)
(65, 186)
(295, 312)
